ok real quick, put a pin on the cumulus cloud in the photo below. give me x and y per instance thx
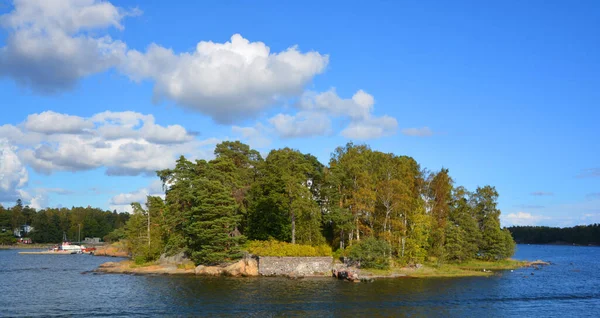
(13, 174)
(523, 218)
(124, 143)
(417, 132)
(318, 109)
(542, 193)
(358, 107)
(226, 81)
(371, 128)
(303, 124)
(51, 44)
(122, 202)
(50, 122)
(255, 136)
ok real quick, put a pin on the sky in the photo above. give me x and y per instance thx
(95, 96)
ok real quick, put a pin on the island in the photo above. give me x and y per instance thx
(367, 212)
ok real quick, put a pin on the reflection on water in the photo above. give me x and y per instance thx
(49, 285)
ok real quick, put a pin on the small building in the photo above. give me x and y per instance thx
(25, 240)
(91, 240)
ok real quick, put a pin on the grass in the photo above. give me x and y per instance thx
(186, 265)
(139, 265)
(505, 264)
(471, 268)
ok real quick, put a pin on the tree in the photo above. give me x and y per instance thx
(495, 243)
(284, 177)
(246, 163)
(211, 226)
(463, 234)
(180, 184)
(439, 193)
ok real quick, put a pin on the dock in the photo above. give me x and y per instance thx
(49, 253)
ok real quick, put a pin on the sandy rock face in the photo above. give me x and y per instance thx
(244, 267)
(208, 270)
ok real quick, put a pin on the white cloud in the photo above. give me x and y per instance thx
(122, 202)
(523, 218)
(417, 132)
(254, 136)
(125, 143)
(226, 81)
(50, 122)
(358, 110)
(13, 175)
(359, 107)
(51, 44)
(303, 124)
(371, 128)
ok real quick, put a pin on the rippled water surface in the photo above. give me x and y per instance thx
(49, 285)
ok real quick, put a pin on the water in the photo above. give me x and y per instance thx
(49, 285)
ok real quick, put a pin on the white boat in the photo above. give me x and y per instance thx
(66, 246)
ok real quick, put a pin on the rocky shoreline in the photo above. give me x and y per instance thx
(290, 267)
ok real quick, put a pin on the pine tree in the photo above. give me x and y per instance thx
(212, 224)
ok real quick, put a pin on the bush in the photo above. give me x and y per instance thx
(370, 253)
(115, 236)
(7, 239)
(277, 248)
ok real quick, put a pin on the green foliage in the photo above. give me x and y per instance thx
(7, 238)
(439, 199)
(281, 249)
(580, 235)
(50, 224)
(143, 233)
(284, 205)
(370, 253)
(115, 236)
(211, 230)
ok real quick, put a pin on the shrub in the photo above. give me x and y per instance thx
(277, 248)
(115, 236)
(370, 253)
(7, 239)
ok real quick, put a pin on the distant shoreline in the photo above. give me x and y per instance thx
(26, 246)
(559, 244)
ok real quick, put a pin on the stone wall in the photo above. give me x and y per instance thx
(294, 266)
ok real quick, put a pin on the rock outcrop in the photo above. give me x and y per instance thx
(246, 267)
(176, 259)
(127, 267)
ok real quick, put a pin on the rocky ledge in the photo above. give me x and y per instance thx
(128, 267)
(246, 267)
(243, 268)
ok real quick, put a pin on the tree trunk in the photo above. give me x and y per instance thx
(357, 230)
(148, 228)
(403, 243)
(293, 228)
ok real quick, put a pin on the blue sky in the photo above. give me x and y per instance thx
(502, 93)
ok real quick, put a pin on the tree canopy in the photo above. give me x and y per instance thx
(401, 211)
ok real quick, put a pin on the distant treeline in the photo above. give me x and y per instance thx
(580, 235)
(50, 224)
